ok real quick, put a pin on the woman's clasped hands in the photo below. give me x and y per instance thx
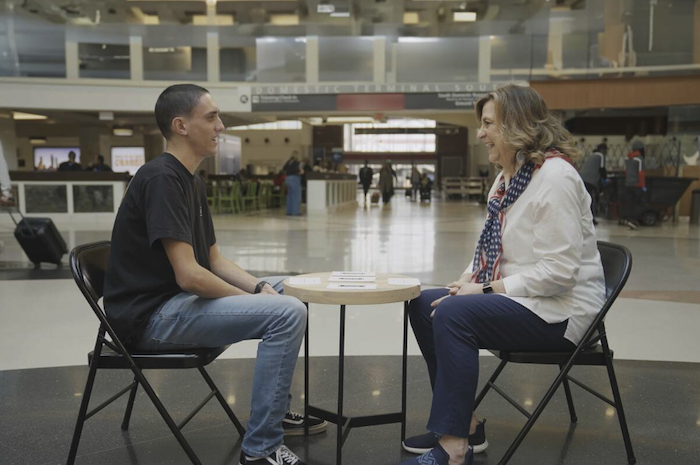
(463, 286)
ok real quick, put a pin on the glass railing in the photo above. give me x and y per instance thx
(578, 45)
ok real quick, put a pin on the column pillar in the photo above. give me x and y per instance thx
(312, 60)
(136, 57)
(696, 33)
(379, 60)
(485, 59)
(213, 57)
(72, 60)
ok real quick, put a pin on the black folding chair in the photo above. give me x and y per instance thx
(88, 264)
(617, 263)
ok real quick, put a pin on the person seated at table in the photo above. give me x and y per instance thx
(99, 165)
(535, 283)
(168, 286)
(71, 164)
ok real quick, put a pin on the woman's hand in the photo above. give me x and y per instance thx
(460, 287)
(467, 289)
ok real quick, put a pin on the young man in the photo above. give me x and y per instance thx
(168, 287)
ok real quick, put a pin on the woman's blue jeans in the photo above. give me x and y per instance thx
(189, 321)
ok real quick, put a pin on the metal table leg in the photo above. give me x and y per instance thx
(341, 367)
(306, 373)
(404, 372)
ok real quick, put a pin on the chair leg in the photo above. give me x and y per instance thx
(618, 401)
(569, 399)
(130, 406)
(491, 380)
(222, 401)
(83, 410)
(536, 414)
(166, 416)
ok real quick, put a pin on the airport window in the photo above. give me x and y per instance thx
(400, 141)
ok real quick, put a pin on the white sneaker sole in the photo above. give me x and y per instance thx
(414, 450)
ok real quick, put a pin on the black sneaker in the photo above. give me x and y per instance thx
(424, 443)
(293, 424)
(282, 456)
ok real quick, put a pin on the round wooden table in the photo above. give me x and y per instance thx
(383, 294)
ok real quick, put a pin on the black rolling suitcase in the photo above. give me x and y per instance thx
(40, 240)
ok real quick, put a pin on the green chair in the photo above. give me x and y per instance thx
(230, 197)
(278, 199)
(251, 191)
(213, 196)
(264, 195)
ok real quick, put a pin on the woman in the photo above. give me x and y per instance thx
(293, 172)
(536, 281)
(386, 182)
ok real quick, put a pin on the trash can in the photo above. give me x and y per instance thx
(695, 207)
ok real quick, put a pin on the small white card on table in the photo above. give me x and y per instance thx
(352, 279)
(353, 273)
(303, 281)
(352, 286)
(404, 281)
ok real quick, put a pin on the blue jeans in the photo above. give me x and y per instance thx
(450, 343)
(293, 194)
(189, 321)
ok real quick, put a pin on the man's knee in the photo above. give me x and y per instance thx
(294, 312)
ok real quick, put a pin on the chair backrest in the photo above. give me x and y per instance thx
(88, 265)
(251, 189)
(617, 265)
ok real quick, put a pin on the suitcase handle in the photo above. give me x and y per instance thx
(10, 212)
(23, 231)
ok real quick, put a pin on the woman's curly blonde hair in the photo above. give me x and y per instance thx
(527, 125)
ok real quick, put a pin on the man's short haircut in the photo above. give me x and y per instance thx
(101, 158)
(175, 101)
(71, 153)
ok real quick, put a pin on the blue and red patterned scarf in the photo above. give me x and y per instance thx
(487, 257)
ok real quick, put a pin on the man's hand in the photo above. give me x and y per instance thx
(267, 289)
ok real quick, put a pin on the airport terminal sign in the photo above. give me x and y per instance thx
(369, 97)
(406, 88)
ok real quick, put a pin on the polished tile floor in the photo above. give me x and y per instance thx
(46, 330)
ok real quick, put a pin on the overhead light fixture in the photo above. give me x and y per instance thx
(20, 116)
(340, 14)
(161, 49)
(464, 16)
(34, 140)
(211, 2)
(325, 8)
(350, 119)
(123, 132)
(411, 17)
(219, 20)
(106, 116)
(288, 19)
(417, 40)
